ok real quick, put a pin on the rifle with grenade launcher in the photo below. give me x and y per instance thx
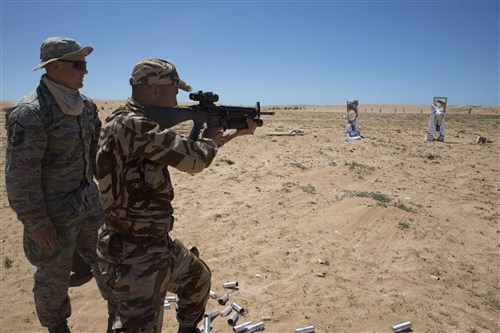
(206, 113)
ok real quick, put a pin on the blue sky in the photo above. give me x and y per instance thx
(275, 52)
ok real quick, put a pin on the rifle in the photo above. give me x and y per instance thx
(206, 112)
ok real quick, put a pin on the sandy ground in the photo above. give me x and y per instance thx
(345, 236)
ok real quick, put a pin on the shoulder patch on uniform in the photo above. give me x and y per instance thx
(16, 134)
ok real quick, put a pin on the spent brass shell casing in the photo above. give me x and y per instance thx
(307, 329)
(206, 325)
(238, 308)
(212, 314)
(223, 299)
(201, 328)
(233, 318)
(213, 294)
(401, 327)
(226, 311)
(166, 305)
(255, 327)
(171, 299)
(230, 284)
(241, 327)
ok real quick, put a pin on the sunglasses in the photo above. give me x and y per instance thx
(79, 65)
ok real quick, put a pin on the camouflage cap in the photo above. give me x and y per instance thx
(55, 48)
(157, 71)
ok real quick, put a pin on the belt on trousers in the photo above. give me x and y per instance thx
(139, 228)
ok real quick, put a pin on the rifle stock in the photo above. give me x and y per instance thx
(206, 113)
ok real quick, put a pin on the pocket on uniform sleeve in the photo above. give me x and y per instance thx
(155, 177)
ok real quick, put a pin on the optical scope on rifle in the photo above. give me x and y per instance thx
(201, 96)
(206, 113)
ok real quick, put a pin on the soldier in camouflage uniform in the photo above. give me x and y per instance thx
(139, 259)
(51, 146)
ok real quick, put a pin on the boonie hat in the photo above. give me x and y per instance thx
(55, 48)
(157, 71)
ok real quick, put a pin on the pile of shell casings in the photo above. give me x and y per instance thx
(232, 312)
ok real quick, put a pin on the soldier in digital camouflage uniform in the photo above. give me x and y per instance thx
(51, 146)
(139, 259)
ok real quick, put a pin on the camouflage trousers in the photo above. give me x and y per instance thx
(141, 270)
(76, 233)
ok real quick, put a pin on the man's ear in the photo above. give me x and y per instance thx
(154, 90)
(53, 66)
(152, 93)
(53, 69)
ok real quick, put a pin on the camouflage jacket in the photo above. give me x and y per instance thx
(132, 160)
(50, 159)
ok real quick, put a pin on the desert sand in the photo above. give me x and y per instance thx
(346, 236)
